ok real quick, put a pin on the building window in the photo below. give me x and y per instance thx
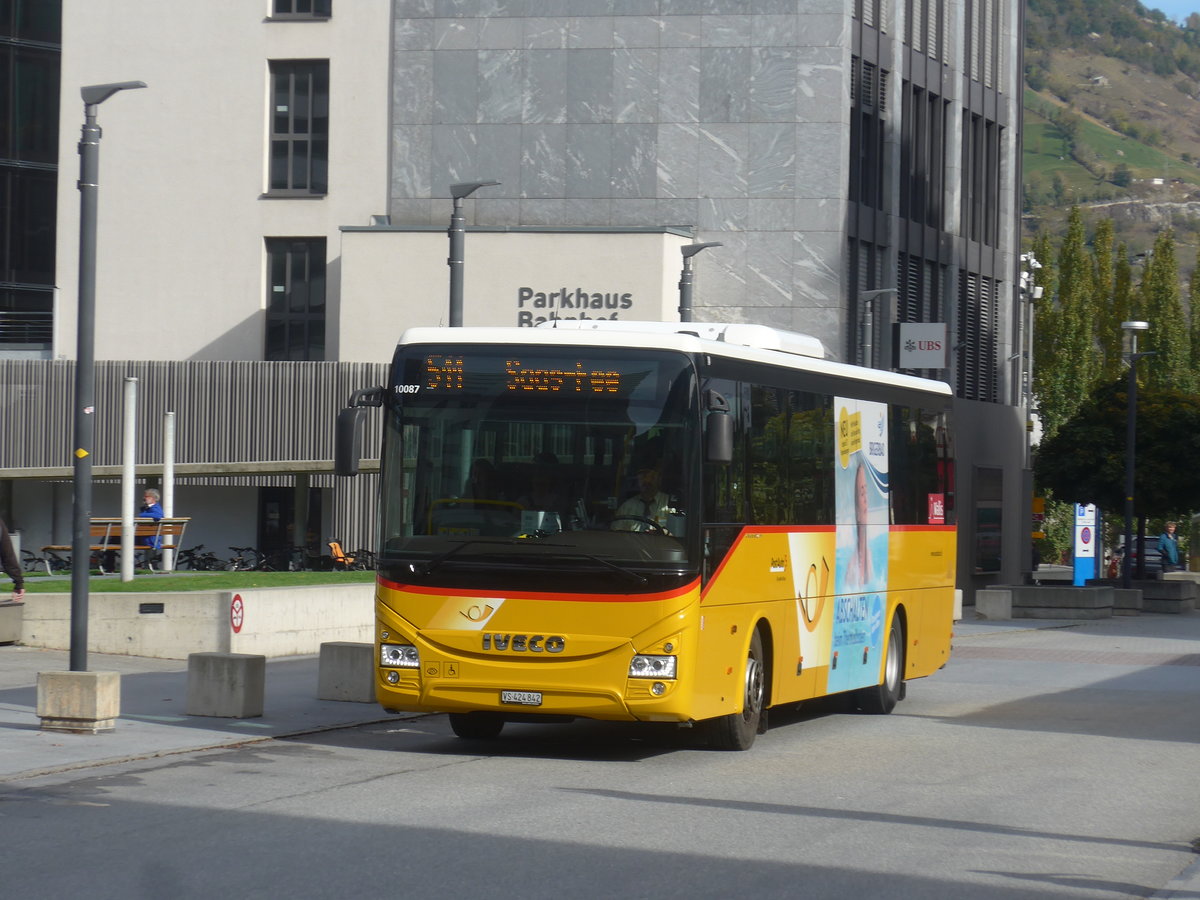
(978, 329)
(299, 127)
(30, 52)
(301, 9)
(868, 103)
(295, 299)
(922, 156)
(982, 141)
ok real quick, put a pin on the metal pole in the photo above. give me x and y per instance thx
(85, 366)
(457, 242)
(1130, 445)
(85, 388)
(685, 278)
(1131, 329)
(867, 299)
(457, 232)
(168, 488)
(128, 477)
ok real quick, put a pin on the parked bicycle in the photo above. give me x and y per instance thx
(198, 560)
(248, 559)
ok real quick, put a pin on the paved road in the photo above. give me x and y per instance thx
(1043, 762)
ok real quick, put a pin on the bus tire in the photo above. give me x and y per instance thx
(737, 731)
(477, 726)
(881, 699)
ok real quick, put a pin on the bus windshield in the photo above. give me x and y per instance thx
(540, 468)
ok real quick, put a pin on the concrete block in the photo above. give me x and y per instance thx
(230, 685)
(1170, 605)
(994, 604)
(1057, 601)
(79, 702)
(346, 672)
(1176, 589)
(1062, 596)
(12, 619)
(1127, 602)
(1058, 612)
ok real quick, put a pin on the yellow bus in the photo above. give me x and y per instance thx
(653, 522)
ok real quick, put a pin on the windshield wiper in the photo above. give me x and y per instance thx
(436, 561)
(629, 573)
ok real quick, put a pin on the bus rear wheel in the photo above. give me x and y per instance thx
(737, 731)
(476, 726)
(881, 699)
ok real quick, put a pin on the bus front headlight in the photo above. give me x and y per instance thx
(646, 666)
(399, 656)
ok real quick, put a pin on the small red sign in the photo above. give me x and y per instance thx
(937, 509)
(237, 613)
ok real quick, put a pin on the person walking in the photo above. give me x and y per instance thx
(1168, 548)
(12, 565)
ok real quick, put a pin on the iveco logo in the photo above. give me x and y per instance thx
(524, 643)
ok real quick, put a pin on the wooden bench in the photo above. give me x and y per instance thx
(106, 533)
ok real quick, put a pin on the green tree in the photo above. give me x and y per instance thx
(1108, 325)
(1045, 329)
(1161, 307)
(1067, 364)
(1194, 313)
(1085, 460)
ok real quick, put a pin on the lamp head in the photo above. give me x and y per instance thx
(466, 188)
(95, 94)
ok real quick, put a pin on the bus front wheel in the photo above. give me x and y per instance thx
(477, 726)
(737, 731)
(881, 699)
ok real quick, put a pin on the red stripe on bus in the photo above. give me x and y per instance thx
(542, 595)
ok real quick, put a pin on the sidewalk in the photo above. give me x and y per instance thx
(153, 721)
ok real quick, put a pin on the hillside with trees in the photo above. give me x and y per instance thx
(1112, 119)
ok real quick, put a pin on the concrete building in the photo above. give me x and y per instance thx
(280, 194)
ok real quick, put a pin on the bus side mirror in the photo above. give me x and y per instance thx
(718, 429)
(347, 441)
(347, 444)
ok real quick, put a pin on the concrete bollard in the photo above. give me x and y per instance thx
(994, 604)
(12, 619)
(79, 702)
(230, 685)
(346, 672)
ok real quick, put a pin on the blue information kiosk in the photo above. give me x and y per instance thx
(1087, 527)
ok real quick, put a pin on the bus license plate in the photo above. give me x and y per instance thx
(521, 698)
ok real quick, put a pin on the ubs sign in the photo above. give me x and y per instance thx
(921, 345)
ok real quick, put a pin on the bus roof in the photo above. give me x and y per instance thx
(742, 341)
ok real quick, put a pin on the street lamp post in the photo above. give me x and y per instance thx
(85, 365)
(685, 278)
(1131, 329)
(457, 234)
(867, 322)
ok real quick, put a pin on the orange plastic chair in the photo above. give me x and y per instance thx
(340, 558)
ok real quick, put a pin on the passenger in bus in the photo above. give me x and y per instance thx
(543, 492)
(650, 502)
(483, 483)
